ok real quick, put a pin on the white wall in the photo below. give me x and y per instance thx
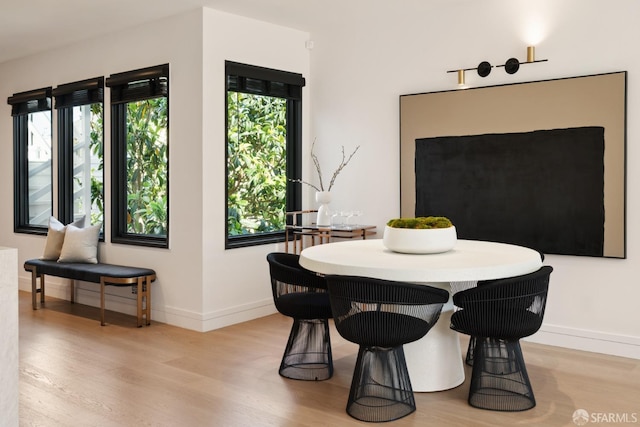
(178, 289)
(200, 285)
(361, 65)
(236, 282)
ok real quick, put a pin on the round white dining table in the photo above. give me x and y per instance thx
(435, 361)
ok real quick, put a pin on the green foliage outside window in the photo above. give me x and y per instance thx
(256, 163)
(147, 167)
(97, 150)
(147, 163)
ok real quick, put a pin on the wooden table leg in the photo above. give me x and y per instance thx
(286, 239)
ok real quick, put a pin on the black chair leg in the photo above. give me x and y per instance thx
(307, 355)
(473, 341)
(499, 380)
(470, 349)
(381, 389)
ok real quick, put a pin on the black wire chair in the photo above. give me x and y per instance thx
(302, 295)
(380, 316)
(472, 340)
(498, 314)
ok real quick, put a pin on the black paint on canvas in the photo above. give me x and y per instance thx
(542, 189)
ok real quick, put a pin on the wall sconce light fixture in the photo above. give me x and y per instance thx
(511, 66)
(484, 68)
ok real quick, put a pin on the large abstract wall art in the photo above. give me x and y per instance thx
(539, 164)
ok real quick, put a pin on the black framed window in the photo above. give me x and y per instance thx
(80, 150)
(33, 179)
(140, 156)
(263, 152)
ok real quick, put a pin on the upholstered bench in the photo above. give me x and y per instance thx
(105, 274)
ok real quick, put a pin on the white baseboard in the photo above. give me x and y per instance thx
(585, 340)
(215, 319)
(122, 301)
(55, 287)
(577, 339)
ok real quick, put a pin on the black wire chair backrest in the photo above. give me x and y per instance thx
(295, 289)
(382, 313)
(505, 308)
(285, 268)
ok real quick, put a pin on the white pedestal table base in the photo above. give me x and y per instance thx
(435, 361)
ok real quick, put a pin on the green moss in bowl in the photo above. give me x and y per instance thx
(424, 222)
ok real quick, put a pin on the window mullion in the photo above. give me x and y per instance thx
(65, 166)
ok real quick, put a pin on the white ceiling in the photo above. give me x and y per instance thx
(32, 26)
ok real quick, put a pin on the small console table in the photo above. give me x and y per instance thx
(295, 233)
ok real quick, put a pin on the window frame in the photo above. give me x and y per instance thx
(23, 104)
(275, 83)
(67, 96)
(126, 87)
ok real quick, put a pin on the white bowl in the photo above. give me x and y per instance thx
(419, 241)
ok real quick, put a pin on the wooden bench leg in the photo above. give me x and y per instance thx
(34, 288)
(139, 296)
(143, 296)
(73, 291)
(147, 293)
(144, 300)
(102, 286)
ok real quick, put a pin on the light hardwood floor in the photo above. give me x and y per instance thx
(73, 372)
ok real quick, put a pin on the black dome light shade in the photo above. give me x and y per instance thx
(484, 68)
(512, 66)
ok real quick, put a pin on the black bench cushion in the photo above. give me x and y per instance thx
(86, 272)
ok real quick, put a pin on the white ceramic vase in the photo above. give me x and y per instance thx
(324, 215)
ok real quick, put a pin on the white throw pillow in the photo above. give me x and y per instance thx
(80, 244)
(55, 238)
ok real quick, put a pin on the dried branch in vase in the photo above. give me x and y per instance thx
(345, 161)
